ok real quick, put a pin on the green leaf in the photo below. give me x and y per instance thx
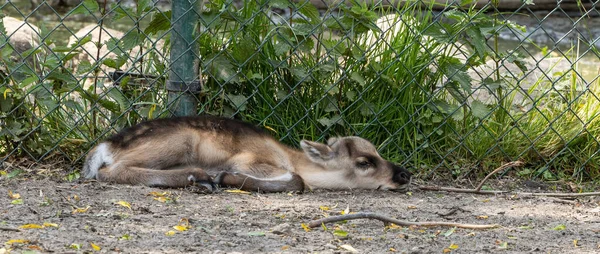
(17, 202)
(143, 6)
(256, 233)
(310, 11)
(449, 232)
(222, 69)
(560, 227)
(357, 78)
(281, 48)
(281, 4)
(238, 101)
(328, 122)
(479, 110)
(132, 39)
(478, 41)
(340, 233)
(161, 21)
(14, 173)
(87, 7)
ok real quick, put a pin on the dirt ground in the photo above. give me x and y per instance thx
(84, 216)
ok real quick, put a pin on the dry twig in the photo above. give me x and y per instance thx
(10, 229)
(385, 219)
(478, 190)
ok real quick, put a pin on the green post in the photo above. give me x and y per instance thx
(182, 84)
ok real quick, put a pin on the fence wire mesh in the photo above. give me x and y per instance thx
(442, 86)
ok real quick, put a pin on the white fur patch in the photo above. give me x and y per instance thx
(285, 177)
(101, 156)
(327, 180)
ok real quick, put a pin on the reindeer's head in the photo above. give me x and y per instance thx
(352, 162)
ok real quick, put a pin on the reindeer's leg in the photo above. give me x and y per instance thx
(283, 183)
(173, 178)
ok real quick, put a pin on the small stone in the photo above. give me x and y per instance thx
(282, 229)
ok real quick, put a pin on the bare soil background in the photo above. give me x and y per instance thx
(229, 222)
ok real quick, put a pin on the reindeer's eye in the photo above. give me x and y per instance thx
(363, 163)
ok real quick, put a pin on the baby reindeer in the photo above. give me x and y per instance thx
(208, 151)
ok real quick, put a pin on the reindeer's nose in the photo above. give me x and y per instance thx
(401, 175)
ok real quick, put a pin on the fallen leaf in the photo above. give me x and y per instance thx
(392, 250)
(323, 226)
(30, 226)
(170, 233)
(482, 217)
(48, 224)
(95, 247)
(575, 242)
(324, 208)
(412, 207)
(285, 247)
(34, 247)
(13, 195)
(340, 233)
(453, 246)
(305, 227)
(525, 227)
(446, 250)
(471, 234)
(17, 202)
(450, 232)
(238, 191)
(125, 237)
(346, 211)
(485, 200)
(13, 241)
(75, 246)
(560, 227)
(349, 248)
(257, 233)
(183, 225)
(80, 210)
(392, 226)
(124, 204)
(503, 245)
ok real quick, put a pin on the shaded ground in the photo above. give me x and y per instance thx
(271, 223)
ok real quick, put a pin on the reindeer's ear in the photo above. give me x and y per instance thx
(316, 151)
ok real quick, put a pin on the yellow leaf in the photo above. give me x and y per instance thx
(575, 243)
(482, 217)
(29, 226)
(285, 247)
(13, 241)
(180, 228)
(95, 247)
(271, 129)
(157, 194)
(124, 204)
(393, 250)
(80, 210)
(392, 226)
(14, 195)
(170, 233)
(347, 211)
(237, 191)
(453, 247)
(305, 227)
(6, 91)
(48, 224)
(485, 200)
(17, 202)
(412, 207)
(75, 246)
(76, 198)
(161, 199)
(324, 208)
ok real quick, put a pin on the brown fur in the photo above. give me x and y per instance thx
(206, 150)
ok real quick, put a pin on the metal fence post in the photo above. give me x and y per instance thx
(182, 84)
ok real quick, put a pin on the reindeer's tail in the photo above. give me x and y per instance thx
(99, 157)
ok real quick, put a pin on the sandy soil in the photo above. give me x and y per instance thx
(227, 222)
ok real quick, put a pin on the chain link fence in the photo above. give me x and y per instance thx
(450, 87)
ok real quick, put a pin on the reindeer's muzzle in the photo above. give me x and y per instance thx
(401, 177)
